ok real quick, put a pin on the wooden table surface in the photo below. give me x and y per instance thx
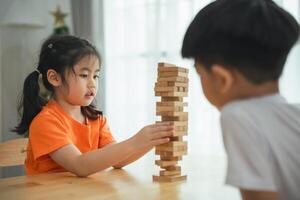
(205, 181)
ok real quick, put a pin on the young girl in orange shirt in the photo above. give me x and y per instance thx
(68, 133)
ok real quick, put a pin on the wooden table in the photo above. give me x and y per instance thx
(205, 181)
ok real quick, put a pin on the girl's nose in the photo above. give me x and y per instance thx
(91, 85)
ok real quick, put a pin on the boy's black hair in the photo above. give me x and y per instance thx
(251, 36)
(60, 53)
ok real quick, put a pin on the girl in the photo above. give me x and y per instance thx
(67, 133)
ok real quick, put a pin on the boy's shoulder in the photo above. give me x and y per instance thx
(260, 113)
(256, 132)
(257, 105)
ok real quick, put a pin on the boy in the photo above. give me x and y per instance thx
(239, 48)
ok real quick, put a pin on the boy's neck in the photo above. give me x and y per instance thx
(249, 90)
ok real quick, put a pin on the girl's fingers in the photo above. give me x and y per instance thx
(162, 134)
(159, 128)
(158, 124)
(164, 123)
(160, 141)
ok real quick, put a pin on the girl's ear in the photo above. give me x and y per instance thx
(224, 78)
(54, 78)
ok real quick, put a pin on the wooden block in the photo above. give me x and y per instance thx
(176, 109)
(181, 128)
(171, 99)
(175, 123)
(170, 89)
(179, 133)
(165, 89)
(173, 144)
(176, 138)
(171, 67)
(169, 178)
(171, 148)
(163, 64)
(182, 89)
(165, 163)
(175, 134)
(171, 94)
(171, 153)
(170, 158)
(171, 84)
(173, 79)
(169, 109)
(169, 173)
(174, 118)
(171, 113)
(162, 74)
(171, 168)
(174, 103)
(175, 154)
(179, 114)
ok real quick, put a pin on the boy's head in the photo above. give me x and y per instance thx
(238, 43)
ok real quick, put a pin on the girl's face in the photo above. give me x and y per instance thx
(82, 83)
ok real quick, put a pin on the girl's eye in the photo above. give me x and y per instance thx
(83, 75)
(96, 76)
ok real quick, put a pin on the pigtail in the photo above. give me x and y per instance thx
(91, 112)
(30, 104)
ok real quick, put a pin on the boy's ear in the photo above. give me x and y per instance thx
(54, 78)
(224, 77)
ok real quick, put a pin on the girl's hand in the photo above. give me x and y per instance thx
(153, 135)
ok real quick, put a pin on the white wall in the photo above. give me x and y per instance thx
(19, 50)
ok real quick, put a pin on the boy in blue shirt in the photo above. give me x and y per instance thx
(240, 48)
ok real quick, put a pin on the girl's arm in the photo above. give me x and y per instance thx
(70, 158)
(131, 158)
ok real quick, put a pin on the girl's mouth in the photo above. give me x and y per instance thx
(90, 94)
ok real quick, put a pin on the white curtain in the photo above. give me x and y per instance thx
(88, 23)
(138, 35)
(290, 81)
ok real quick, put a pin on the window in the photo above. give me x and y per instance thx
(138, 35)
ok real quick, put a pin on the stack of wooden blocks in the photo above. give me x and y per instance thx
(172, 87)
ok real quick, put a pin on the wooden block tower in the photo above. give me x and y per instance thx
(172, 87)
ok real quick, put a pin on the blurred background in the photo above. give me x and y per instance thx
(132, 37)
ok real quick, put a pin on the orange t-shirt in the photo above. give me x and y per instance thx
(53, 128)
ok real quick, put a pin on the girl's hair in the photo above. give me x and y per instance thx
(58, 53)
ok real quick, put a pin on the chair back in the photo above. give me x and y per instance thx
(13, 152)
